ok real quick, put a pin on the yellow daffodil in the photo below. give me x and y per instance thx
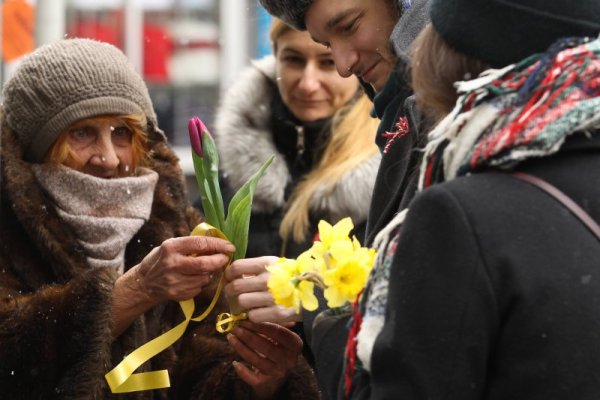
(339, 232)
(336, 263)
(287, 287)
(364, 256)
(341, 250)
(344, 282)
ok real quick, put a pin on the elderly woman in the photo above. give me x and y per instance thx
(95, 225)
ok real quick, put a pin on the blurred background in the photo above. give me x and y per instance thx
(188, 51)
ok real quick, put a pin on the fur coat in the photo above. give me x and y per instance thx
(245, 140)
(55, 323)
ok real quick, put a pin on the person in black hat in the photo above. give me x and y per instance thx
(492, 271)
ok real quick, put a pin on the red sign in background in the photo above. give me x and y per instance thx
(18, 24)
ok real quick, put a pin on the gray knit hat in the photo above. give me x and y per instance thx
(292, 12)
(66, 81)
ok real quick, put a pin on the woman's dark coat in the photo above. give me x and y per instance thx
(495, 291)
(55, 323)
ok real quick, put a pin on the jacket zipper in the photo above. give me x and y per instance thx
(300, 142)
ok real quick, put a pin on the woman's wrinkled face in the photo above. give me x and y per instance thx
(358, 33)
(103, 146)
(307, 78)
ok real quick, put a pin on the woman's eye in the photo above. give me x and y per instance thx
(82, 134)
(121, 134)
(293, 59)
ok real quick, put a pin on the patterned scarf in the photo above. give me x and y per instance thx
(524, 110)
(103, 213)
(501, 118)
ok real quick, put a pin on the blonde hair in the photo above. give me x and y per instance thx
(278, 29)
(62, 153)
(435, 67)
(352, 142)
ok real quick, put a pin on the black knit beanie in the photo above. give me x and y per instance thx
(63, 82)
(292, 12)
(502, 32)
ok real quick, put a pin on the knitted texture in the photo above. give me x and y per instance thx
(292, 12)
(522, 111)
(105, 213)
(63, 82)
(502, 32)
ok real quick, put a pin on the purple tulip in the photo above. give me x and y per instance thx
(196, 130)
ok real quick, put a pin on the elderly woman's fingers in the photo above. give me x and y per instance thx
(180, 267)
(247, 374)
(263, 350)
(198, 245)
(245, 343)
(277, 334)
(207, 264)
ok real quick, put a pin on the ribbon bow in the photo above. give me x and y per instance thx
(122, 379)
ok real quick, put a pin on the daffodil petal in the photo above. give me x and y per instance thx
(307, 296)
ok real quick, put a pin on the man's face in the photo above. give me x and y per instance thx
(358, 33)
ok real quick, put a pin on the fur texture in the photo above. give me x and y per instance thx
(55, 324)
(244, 140)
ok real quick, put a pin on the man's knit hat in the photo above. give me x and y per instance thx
(66, 81)
(502, 32)
(292, 12)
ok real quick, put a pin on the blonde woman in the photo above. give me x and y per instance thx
(295, 105)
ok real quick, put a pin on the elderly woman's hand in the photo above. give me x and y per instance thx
(180, 267)
(176, 270)
(247, 286)
(269, 353)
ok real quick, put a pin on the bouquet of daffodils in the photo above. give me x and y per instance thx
(336, 263)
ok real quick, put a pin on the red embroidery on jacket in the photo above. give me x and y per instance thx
(401, 128)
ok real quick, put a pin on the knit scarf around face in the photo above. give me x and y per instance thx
(524, 110)
(103, 213)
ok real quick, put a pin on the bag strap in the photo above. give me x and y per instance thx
(565, 200)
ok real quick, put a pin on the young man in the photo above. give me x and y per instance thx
(370, 39)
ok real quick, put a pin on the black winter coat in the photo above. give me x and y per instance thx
(493, 292)
(395, 185)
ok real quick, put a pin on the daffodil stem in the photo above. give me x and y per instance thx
(314, 278)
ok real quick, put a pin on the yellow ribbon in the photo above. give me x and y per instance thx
(226, 321)
(122, 379)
